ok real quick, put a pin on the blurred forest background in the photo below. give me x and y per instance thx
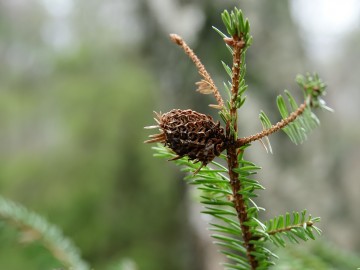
(79, 81)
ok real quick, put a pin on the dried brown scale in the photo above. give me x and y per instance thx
(192, 134)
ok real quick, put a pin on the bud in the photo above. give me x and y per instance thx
(189, 133)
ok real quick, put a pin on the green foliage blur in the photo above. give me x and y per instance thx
(78, 82)
(71, 145)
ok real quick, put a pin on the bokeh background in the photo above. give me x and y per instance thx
(80, 78)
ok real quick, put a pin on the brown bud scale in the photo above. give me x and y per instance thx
(192, 134)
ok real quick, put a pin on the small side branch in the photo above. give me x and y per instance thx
(36, 228)
(289, 228)
(279, 125)
(206, 85)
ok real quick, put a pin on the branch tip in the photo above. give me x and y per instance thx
(176, 39)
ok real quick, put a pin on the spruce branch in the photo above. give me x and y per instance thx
(194, 141)
(240, 205)
(294, 227)
(35, 228)
(302, 120)
(206, 85)
(238, 44)
(274, 128)
(291, 227)
(232, 156)
(239, 31)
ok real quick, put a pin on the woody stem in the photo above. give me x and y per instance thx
(232, 156)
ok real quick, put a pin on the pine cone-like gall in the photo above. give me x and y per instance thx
(189, 133)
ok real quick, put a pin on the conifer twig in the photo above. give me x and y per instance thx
(199, 138)
(290, 227)
(35, 227)
(206, 85)
(279, 125)
(239, 202)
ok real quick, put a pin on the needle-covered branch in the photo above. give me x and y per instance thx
(238, 28)
(194, 141)
(274, 128)
(301, 121)
(35, 228)
(291, 227)
(295, 226)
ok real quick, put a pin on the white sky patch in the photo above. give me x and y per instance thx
(324, 23)
(186, 20)
(58, 8)
(57, 31)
